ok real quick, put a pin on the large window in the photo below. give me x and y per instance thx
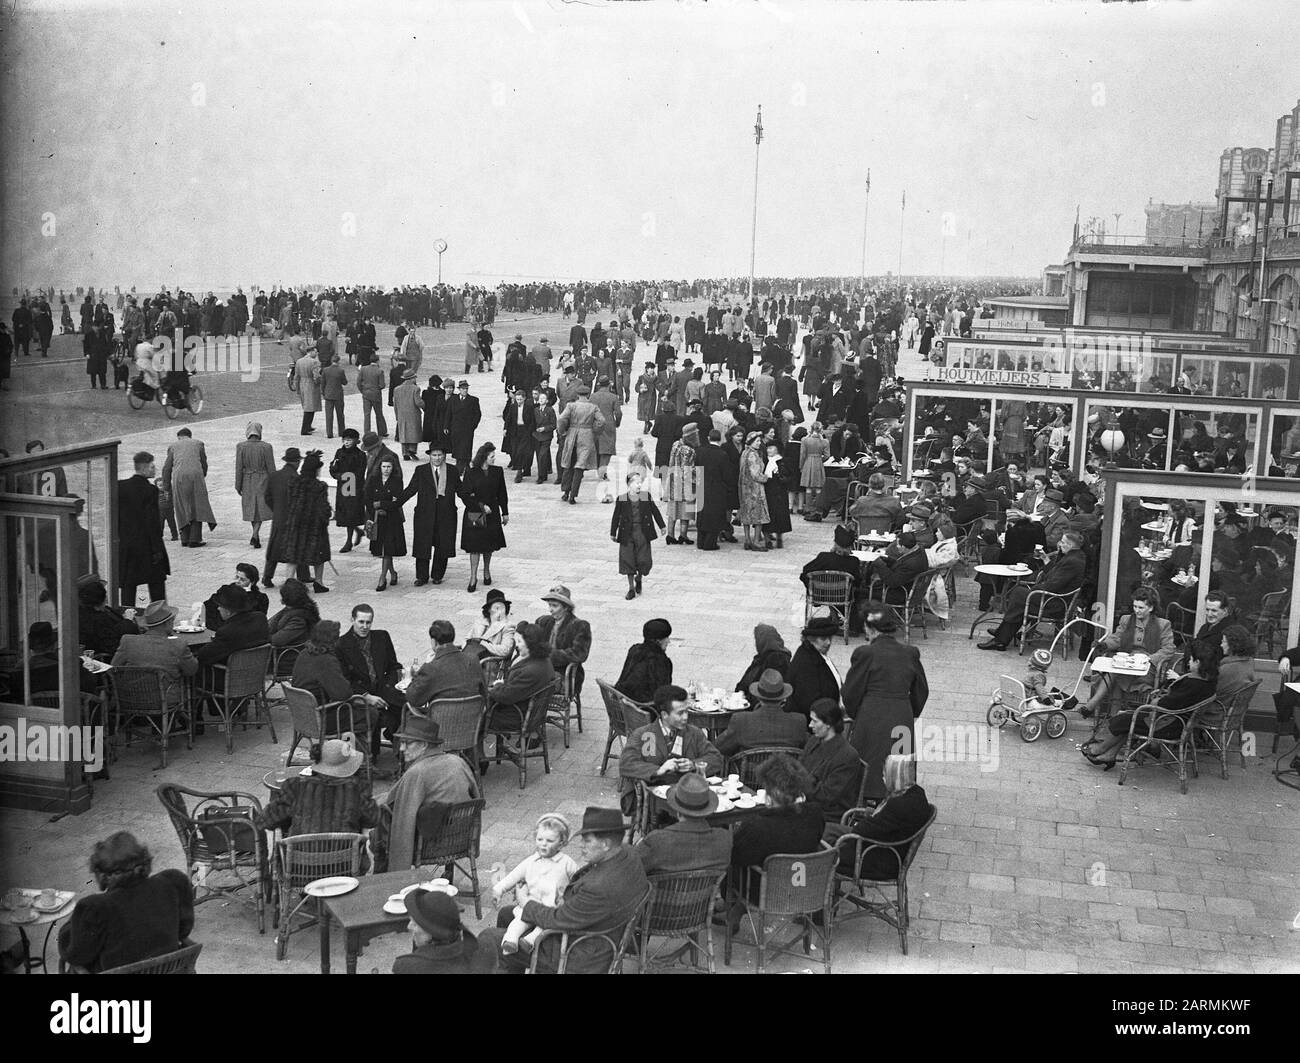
(1203, 439)
(1140, 301)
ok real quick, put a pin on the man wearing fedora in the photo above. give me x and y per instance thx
(465, 415)
(767, 724)
(578, 426)
(689, 844)
(1063, 574)
(1055, 522)
(601, 897)
(154, 648)
(439, 943)
(812, 674)
(432, 778)
(276, 494)
(333, 379)
(451, 672)
(434, 487)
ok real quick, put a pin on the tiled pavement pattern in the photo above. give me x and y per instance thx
(1037, 862)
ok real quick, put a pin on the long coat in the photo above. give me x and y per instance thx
(142, 556)
(646, 397)
(276, 495)
(407, 411)
(484, 491)
(753, 497)
(185, 476)
(305, 536)
(384, 507)
(578, 427)
(714, 468)
(254, 463)
(435, 518)
(433, 399)
(884, 691)
(517, 438)
(811, 678)
(612, 411)
(464, 418)
(349, 472)
(308, 374)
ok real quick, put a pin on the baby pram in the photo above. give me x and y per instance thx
(1010, 704)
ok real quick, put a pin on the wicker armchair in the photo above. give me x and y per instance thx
(616, 940)
(681, 908)
(302, 859)
(566, 704)
(747, 762)
(613, 700)
(793, 888)
(520, 731)
(456, 839)
(1272, 619)
(914, 610)
(310, 722)
(1218, 736)
(236, 684)
(851, 888)
(182, 961)
(280, 672)
(830, 588)
(149, 694)
(1183, 622)
(225, 854)
(1180, 745)
(1042, 609)
(460, 726)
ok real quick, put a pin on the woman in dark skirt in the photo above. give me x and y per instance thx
(349, 471)
(305, 535)
(633, 528)
(384, 507)
(732, 449)
(487, 511)
(776, 488)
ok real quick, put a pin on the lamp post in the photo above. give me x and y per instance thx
(866, 210)
(753, 232)
(440, 246)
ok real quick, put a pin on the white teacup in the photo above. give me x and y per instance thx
(761, 797)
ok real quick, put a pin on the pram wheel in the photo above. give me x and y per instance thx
(1031, 727)
(998, 715)
(134, 399)
(1056, 725)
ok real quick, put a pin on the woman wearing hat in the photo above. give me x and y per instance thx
(349, 472)
(647, 666)
(408, 409)
(680, 492)
(812, 673)
(495, 631)
(530, 671)
(752, 495)
(384, 507)
(254, 463)
(487, 512)
(306, 527)
(646, 395)
(777, 495)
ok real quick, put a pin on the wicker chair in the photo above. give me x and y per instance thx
(1183, 622)
(613, 700)
(283, 658)
(830, 588)
(643, 814)
(1180, 746)
(747, 762)
(617, 940)
(1043, 608)
(236, 684)
(851, 888)
(1218, 737)
(302, 859)
(309, 722)
(494, 668)
(457, 838)
(1272, 618)
(149, 694)
(914, 610)
(460, 726)
(224, 853)
(792, 888)
(566, 704)
(682, 907)
(635, 714)
(522, 733)
(182, 961)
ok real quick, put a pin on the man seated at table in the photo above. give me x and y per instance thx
(370, 663)
(242, 627)
(689, 844)
(897, 573)
(1055, 522)
(431, 778)
(154, 648)
(973, 504)
(600, 898)
(1218, 617)
(839, 558)
(1063, 574)
(100, 627)
(665, 749)
(877, 510)
(767, 724)
(439, 943)
(450, 673)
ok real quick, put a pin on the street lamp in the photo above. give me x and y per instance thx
(865, 214)
(440, 246)
(753, 233)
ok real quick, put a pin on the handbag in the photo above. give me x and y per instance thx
(476, 520)
(228, 829)
(372, 530)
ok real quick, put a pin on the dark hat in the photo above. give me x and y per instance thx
(233, 597)
(692, 797)
(881, 618)
(821, 627)
(40, 633)
(583, 389)
(90, 579)
(921, 512)
(370, 439)
(771, 687)
(656, 629)
(434, 912)
(421, 729)
(463, 385)
(845, 536)
(494, 596)
(292, 456)
(1053, 496)
(602, 821)
(157, 613)
(350, 433)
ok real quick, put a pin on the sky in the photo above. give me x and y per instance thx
(213, 144)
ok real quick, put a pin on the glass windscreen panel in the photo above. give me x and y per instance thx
(31, 629)
(1186, 439)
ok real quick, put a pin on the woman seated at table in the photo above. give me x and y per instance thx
(531, 672)
(831, 761)
(246, 580)
(790, 823)
(1141, 631)
(332, 799)
(293, 623)
(1186, 691)
(770, 653)
(135, 916)
(319, 671)
(662, 751)
(901, 814)
(495, 632)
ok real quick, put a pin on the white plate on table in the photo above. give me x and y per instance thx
(747, 801)
(26, 915)
(59, 902)
(94, 667)
(187, 629)
(724, 804)
(334, 886)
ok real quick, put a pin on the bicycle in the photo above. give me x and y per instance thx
(138, 394)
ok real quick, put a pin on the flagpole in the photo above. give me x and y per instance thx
(753, 234)
(866, 213)
(902, 211)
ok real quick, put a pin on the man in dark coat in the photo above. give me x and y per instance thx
(142, 556)
(690, 844)
(520, 419)
(369, 662)
(100, 627)
(767, 724)
(896, 574)
(667, 430)
(869, 377)
(810, 673)
(432, 399)
(276, 493)
(647, 666)
(242, 627)
(465, 417)
(1062, 575)
(712, 516)
(434, 487)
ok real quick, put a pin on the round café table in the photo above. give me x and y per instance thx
(998, 599)
(45, 919)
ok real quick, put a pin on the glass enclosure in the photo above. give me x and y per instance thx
(1152, 435)
(988, 430)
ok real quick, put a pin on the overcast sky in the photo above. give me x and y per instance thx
(220, 143)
